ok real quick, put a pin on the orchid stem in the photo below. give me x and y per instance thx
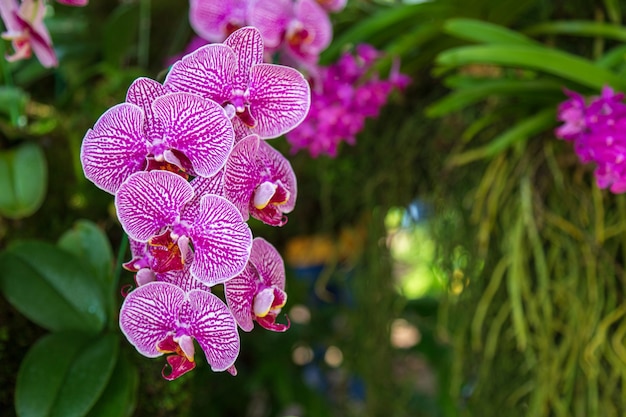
(143, 53)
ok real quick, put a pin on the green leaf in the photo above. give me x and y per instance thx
(613, 57)
(64, 374)
(467, 96)
(519, 132)
(484, 32)
(119, 397)
(614, 10)
(23, 180)
(562, 64)
(51, 287)
(579, 28)
(120, 33)
(88, 242)
(12, 100)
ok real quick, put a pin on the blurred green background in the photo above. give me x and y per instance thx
(457, 261)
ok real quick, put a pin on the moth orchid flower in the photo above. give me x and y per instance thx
(154, 203)
(161, 318)
(156, 130)
(216, 20)
(160, 253)
(27, 32)
(258, 293)
(260, 182)
(267, 99)
(301, 28)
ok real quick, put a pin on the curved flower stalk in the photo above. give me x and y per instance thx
(153, 203)
(258, 293)
(161, 318)
(300, 29)
(156, 130)
(267, 99)
(598, 132)
(260, 182)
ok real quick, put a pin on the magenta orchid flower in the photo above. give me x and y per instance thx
(302, 28)
(258, 293)
(155, 203)
(156, 130)
(267, 99)
(161, 318)
(27, 32)
(260, 182)
(216, 20)
(161, 254)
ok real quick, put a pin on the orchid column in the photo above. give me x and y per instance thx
(188, 163)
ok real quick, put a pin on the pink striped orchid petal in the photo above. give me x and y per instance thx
(142, 92)
(279, 99)
(201, 187)
(221, 239)
(242, 175)
(247, 44)
(240, 292)
(148, 202)
(115, 148)
(268, 262)
(215, 20)
(312, 33)
(214, 328)
(149, 313)
(208, 72)
(196, 127)
(257, 294)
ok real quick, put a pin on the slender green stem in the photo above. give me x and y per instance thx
(143, 53)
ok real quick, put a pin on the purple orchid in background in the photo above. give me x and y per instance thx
(267, 99)
(258, 293)
(161, 318)
(260, 182)
(26, 31)
(302, 29)
(156, 130)
(332, 5)
(343, 96)
(597, 132)
(216, 20)
(157, 203)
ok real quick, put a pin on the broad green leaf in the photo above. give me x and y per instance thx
(88, 242)
(519, 132)
(485, 32)
(23, 180)
(614, 10)
(51, 287)
(467, 96)
(613, 57)
(119, 397)
(579, 28)
(64, 374)
(567, 66)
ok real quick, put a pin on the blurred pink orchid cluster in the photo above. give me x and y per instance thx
(25, 28)
(295, 33)
(343, 95)
(597, 127)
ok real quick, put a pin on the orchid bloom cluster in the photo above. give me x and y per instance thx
(25, 28)
(298, 30)
(188, 163)
(597, 129)
(344, 95)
